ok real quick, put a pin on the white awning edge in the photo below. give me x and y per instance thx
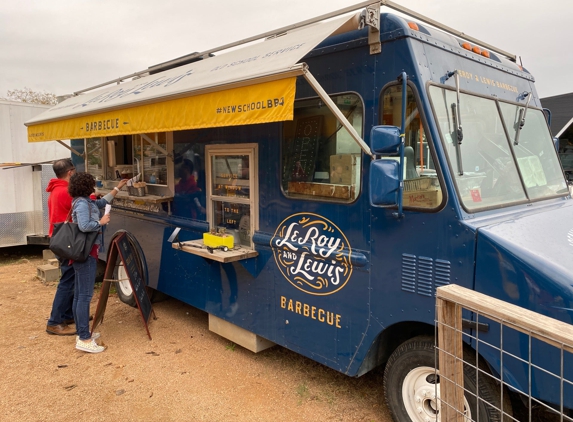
(250, 63)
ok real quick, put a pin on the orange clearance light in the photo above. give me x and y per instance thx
(485, 53)
(467, 46)
(414, 26)
(476, 49)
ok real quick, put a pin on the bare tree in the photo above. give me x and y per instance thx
(27, 95)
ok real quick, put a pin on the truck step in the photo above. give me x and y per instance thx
(238, 335)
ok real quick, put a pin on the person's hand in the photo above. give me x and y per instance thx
(104, 220)
(122, 183)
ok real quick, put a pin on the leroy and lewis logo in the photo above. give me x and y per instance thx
(312, 254)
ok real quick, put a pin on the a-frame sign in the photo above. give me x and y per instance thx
(121, 247)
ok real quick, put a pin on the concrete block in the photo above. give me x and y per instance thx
(48, 254)
(238, 335)
(54, 262)
(48, 273)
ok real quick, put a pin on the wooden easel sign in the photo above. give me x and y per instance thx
(120, 245)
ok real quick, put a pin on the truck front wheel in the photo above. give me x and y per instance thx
(411, 384)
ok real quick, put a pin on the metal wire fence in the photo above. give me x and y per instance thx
(530, 375)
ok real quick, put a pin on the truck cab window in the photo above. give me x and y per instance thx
(320, 160)
(421, 184)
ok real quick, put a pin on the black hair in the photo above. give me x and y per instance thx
(61, 167)
(81, 184)
(187, 164)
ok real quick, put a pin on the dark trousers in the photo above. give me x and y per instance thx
(64, 298)
(85, 281)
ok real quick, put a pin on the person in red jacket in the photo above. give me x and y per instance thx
(59, 205)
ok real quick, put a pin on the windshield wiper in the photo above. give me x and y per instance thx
(458, 131)
(521, 119)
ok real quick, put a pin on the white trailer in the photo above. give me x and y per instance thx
(25, 170)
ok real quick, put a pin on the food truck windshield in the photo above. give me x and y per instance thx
(500, 161)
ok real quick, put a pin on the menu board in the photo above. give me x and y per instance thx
(303, 150)
(231, 176)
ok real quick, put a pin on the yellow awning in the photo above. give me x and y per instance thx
(263, 103)
(254, 84)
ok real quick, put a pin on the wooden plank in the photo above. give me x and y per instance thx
(154, 199)
(542, 327)
(196, 247)
(238, 335)
(451, 361)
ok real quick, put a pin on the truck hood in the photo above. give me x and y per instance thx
(528, 261)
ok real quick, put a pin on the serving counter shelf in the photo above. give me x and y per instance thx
(154, 199)
(197, 247)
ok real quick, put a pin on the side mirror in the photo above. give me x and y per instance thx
(556, 143)
(385, 139)
(384, 182)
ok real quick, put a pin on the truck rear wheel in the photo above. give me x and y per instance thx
(124, 290)
(411, 383)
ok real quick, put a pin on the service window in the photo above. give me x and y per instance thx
(150, 154)
(232, 190)
(421, 184)
(125, 156)
(95, 157)
(320, 160)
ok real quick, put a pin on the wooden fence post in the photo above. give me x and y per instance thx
(450, 361)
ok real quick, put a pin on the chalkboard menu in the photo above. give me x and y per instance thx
(120, 247)
(303, 150)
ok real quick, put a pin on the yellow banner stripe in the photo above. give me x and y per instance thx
(263, 103)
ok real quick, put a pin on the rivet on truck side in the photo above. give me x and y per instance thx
(392, 157)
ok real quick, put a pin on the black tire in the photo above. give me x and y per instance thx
(409, 374)
(124, 290)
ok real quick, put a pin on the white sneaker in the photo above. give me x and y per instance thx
(91, 347)
(95, 336)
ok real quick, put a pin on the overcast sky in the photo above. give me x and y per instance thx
(61, 46)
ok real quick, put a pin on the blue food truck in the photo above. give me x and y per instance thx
(314, 187)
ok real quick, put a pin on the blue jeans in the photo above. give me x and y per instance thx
(64, 297)
(85, 281)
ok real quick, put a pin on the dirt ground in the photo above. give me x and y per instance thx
(186, 373)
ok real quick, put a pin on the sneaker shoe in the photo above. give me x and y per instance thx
(95, 336)
(91, 347)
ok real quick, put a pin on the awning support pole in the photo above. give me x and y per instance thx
(71, 149)
(336, 111)
(154, 144)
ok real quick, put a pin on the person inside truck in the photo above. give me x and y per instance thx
(187, 192)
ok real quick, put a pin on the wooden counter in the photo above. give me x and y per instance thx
(196, 247)
(154, 199)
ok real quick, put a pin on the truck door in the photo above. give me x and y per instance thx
(410, 254)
